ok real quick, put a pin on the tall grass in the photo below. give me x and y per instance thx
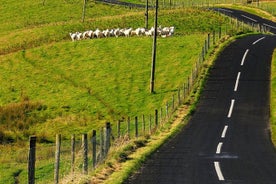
(51, 85)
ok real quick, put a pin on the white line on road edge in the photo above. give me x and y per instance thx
(219, 173)
(244, 56)
(270, 26)
(224, 131)
(258, 40)
(226, 10)
(249, 18)
(231, 109)
(237, 82)
(219, 148)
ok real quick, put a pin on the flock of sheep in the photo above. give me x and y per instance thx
(127, 32)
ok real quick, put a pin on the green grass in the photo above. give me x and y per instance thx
(273, 98)
(51, 85)
(84, 84)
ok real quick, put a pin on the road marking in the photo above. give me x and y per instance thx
(231, 108)
(237, 81)
(244, 56)
(270, 26)
(219, 148)
(249, 18)
(226, 10)
(224, 131)
(219, 173)
(258, 40)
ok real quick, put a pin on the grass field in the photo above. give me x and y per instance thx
(51, 85)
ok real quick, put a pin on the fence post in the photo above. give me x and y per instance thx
(128, 126)
(94, 151)
(208, 42)
(102, 143)
(136, 126)
(179, 100)
(144, 124)
(156, 118)
(150, 123)
(188, 85)
(167, 110)
(107, 137)
(31, 165)
(161, 115)
(57, 158)
(85, 154)
(83, 10)
(173, 103)
(184, 92)
(73, 147)
(119, 128)
(214, 37)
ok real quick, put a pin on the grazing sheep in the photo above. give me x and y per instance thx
(98, 33)
(73, 36)
(127, 32)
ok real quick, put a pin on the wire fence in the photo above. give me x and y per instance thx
(72, 160)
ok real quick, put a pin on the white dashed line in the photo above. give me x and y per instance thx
(237, 81)
(219, 148)
(219, 173)
(224, 131)
(226, 10)
(249, 18)
(258, 40)
(244, 56)
(270, 26)
(231, 108)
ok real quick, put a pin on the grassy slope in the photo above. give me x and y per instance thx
(70, 82)
(273, 98)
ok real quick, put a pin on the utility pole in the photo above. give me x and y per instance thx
(147, 15)
(154, 49)
(83, 10)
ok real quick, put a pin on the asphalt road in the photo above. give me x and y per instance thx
(248, 18)
(227, 139)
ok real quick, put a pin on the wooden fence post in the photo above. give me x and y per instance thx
(156, 118)
(150, 123)
(144, 124)
(31, 165)
(173, 103)
(73, 147)
(214, 37)
(102, 143)
(83, 10)
(167, 110)
(178, 94)
(85, 154)
(128, 126)
(94, 147)
(107, 137)
(208, 42)
(136, 126)
(184, 92)
(119, 128)
(57, 158)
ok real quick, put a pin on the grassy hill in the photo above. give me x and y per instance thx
(50, 84)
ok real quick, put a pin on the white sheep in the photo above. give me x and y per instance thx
(73, 36)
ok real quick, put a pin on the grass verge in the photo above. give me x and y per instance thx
(121, 171)
(273, 99)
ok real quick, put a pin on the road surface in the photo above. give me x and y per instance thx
(227, 139)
